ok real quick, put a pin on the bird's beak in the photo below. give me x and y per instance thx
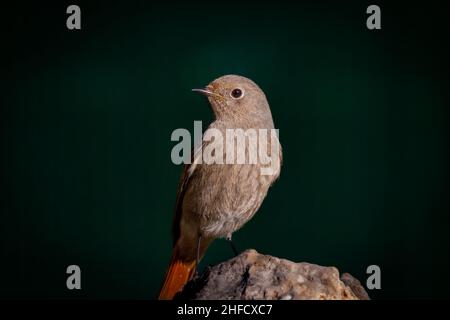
(207, 93)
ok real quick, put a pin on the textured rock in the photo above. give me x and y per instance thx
(252, 275)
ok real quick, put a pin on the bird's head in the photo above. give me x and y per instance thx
(238, 99)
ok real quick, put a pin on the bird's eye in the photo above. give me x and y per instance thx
(237, 93)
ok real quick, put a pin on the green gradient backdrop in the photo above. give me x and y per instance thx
(87, 117)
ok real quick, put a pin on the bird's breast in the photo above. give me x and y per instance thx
(224, 197)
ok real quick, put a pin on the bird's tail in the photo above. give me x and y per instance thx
(178, 274)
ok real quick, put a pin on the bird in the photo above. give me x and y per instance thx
(216, 199)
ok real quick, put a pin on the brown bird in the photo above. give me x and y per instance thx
(214, 200)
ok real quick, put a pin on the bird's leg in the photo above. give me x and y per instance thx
(197, 258)
(233, 247)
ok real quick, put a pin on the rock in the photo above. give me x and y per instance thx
(252, 275)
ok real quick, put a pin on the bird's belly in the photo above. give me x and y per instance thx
(233, 195)
(227, 220)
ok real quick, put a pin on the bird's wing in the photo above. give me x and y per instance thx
(185, 179)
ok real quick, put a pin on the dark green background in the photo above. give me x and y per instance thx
(87, 117)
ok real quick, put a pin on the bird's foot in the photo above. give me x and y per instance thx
(233, 247)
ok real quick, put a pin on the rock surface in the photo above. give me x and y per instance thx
(252, 275)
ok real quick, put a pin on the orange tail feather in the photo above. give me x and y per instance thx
(178, 274)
